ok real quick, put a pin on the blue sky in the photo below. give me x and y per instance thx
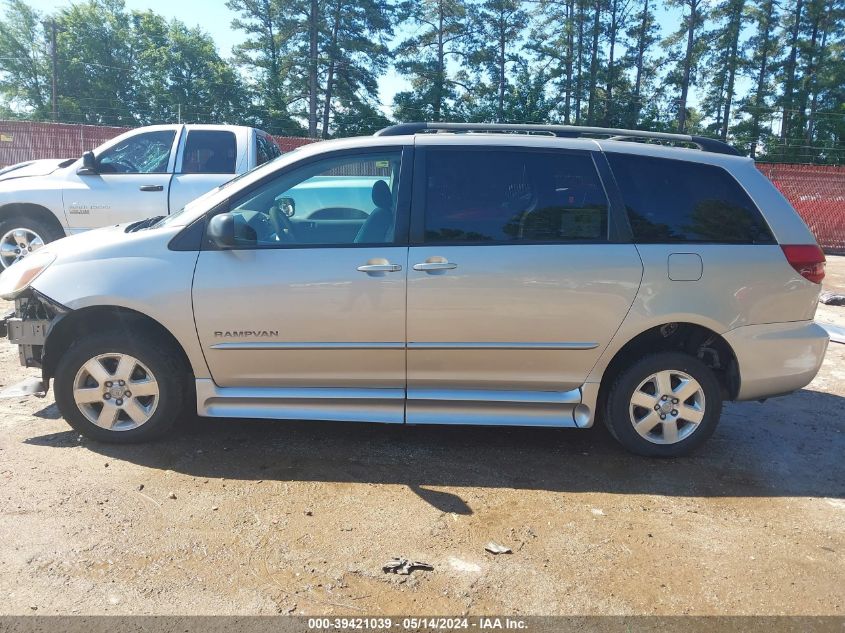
(216, 19)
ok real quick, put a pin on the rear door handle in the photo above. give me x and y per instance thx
(152, 187)
(380, 268)
(429, 266)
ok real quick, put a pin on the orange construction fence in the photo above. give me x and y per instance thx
(816, 191)
(818, 194)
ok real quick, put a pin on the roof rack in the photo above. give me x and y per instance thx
(565, 131)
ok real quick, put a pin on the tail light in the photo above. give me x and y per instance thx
(807, 259)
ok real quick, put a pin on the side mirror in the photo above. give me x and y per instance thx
(221, 230)
(287, 206)
(89, 164)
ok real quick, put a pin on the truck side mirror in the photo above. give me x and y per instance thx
(89, 164)
(221, 232)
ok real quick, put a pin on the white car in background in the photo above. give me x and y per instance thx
(144, 173)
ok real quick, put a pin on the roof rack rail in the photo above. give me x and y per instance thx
(566, 131)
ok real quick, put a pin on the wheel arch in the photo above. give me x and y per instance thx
(694, 339)
(83, 321)
(35, 211)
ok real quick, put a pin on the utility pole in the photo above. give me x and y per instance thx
(313, 28)
(51, 24)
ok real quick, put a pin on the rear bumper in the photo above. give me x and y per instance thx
(777, 358)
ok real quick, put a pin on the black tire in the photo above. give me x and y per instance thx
(148, 347)
(617, 404)
(47, 231)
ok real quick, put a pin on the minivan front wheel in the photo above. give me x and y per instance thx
(114, 389)
(664, 405)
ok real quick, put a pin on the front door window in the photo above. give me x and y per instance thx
(333, 202)
(147, 153)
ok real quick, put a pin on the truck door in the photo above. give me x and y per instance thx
(131, 182)
(206, 158)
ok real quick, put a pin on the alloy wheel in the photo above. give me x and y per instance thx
(667, 407)
(17, 244)
(116, 392)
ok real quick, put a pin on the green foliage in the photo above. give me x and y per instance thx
(492, 49)
(24, 64)
(766, 75)
(440, 30)
(352, 53)
(114, 67)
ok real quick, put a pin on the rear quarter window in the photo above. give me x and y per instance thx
(670, 201)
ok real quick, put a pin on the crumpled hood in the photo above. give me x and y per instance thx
(41, 167)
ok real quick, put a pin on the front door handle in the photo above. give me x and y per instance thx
(152, 187)
(380, 268)
(433, 266)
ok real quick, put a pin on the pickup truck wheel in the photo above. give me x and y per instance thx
(20, 236)
(664, 405)
(113, 388)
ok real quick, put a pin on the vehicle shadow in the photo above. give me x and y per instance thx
(785, 447)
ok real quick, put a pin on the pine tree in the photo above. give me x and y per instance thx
(595, 52)
(762, 45)
(724, 60)
(441, 30)
(689, 38)
(354, 55)
(263, 55)
(644, 34)
(791, 64)
(496, 28)
(618, 15)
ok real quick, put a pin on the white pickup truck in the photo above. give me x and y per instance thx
(144, 173)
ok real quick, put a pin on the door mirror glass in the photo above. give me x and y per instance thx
(89, 164)
(286, 205)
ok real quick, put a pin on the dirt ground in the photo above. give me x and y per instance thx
(277, 517)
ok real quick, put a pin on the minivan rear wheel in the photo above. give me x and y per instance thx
(664, 405)
(114, 388)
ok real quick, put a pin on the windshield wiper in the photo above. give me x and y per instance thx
(144, 224)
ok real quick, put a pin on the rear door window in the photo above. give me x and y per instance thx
(672, 201)
(210, 152)
(501, 195)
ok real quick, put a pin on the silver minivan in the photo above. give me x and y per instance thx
(440, 274)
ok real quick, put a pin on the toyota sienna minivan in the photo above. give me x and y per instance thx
(491, 275)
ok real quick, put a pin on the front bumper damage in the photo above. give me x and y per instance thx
(29, 325)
